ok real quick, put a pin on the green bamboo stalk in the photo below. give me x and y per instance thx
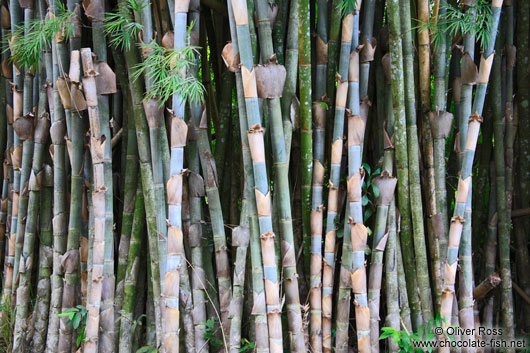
(127, 221)
(334, 179)
(216, 215)
(57, 134)
(45, 262)
(455, 230)
(72, 255)
(490, 246)
(281, 169)
(306, 132)
(400, 135)
(440, 123)
(334, 50)
(391, 277)
(131, 273)
(27, 153)
(504, 223)
(257, 149)
(411, 137)
(321, 51)
(34, 185)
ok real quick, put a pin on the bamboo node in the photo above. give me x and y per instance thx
(475, 117)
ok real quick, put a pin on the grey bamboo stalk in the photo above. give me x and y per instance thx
(35, 181)
(455, 230)
(57, 134)
(291, 67)
(334, 179)
(402, 172)
(263, 203)
(107, 301)
(386, 185)
(27, 152)
(281, 168)
(72, 255)
(97, 147)
(411, 136)
(317, 211)
(391, 277)
(45, 262)
(259, 305)
(131, 273)
(405, 312)
(196, 192)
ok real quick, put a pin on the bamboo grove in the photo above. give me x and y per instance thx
(264, 175)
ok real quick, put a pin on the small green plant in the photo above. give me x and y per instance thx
(7, 320)
(409, 342)
(167, 68)
(147, 349)
(459, 20)
(134, 323)
(369, 188)
(26, 45)
(246, 345)
(347, 6)
(120, 27)
(77, 317)
(211, 329)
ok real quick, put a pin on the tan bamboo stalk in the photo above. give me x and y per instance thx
(97, 146)
(257, 149)
(334, 179)
(455, 230)
(175, 247)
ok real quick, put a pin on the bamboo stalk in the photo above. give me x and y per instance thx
(72, 255)
(402, 165)
(259, 310)
(45, 262)
(41, 135)
(334, 179)
(297, 341)
(411, 136)
(257, 149)
(455, 230)
(131, 273)
(391, 277)
(59, 225)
